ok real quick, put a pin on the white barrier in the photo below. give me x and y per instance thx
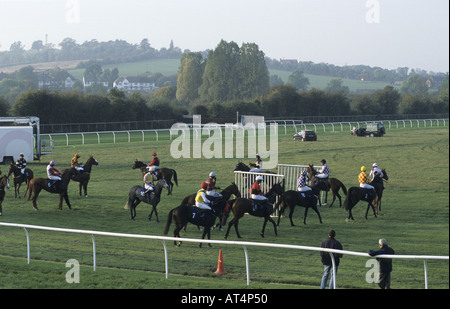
(244, 244)
(245, 180)
(292, 173)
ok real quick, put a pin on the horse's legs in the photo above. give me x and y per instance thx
(291, 213)
(280, 212)
(229, 227)
(151, 213)
(274, 225)
(133, 207)
(317, 212)
(264, 226)
(66, 198)
(35, 196)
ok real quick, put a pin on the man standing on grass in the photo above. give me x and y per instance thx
(330, 243)
(384, 275)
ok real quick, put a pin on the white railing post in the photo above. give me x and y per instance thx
(94, 253)
(28, 245)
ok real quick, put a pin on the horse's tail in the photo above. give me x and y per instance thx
(344, 189)
(348, 200)
(129, 200)
(28, 190)
(175, 178)
(169, 221)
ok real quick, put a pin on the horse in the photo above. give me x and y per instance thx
(240, 166)
(135, 198)
(265, 210)
(165, 172)
(377, 183)
(19, 177)
(84, 176)
(356, 194)
(226, 194)
(36, 185)
(184, 213)
(332, 183)
(4, 182)
(293, 198)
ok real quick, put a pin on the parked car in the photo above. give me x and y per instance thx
(370, 129)
(305, 135)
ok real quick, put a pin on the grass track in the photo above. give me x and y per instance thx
(414, 219)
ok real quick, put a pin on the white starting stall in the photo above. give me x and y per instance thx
(245, 180)
(292, 173)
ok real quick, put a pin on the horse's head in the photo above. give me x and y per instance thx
(232, 189)
(138, 164)
(91, 161)
(385, 176)
(311, 170)
(241, 167)
(4, 181)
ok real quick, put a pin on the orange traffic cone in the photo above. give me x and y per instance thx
(220, 268)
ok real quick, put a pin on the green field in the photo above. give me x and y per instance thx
(414, 219)
(170, 67)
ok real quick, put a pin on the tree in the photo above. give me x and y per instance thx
(415, 84)
(189, 79)
(337, 85)
(387, 100)
(253, 75)
(219, 77)
(298, 80)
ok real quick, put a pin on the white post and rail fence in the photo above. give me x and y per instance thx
(243, 244)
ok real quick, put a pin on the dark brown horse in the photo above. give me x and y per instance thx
(183, 214)
(165, 172)
(36, 185)
(226, 194)
(84, 176)
(378, 184)
(332, 183)
(19, 177)
(3, 183)
(356, 194)
(243, 205)
(293, 198)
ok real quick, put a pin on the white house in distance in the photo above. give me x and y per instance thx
(134, 83)
(88, 82)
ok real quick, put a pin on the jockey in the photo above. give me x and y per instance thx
(256, 192)
(258, 164)
(52, 172)
(324, 171)
(74, 163)
(301, 182)
(149, 177)
(364, 180)
(211, 186)
(201, 201)
(154, 163)
(21, 163)
(375, 171)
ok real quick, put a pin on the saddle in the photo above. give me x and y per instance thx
(369, 195)
(53, 185)
(150, 195)
(306, 194)
(259, 207)
(200, 216)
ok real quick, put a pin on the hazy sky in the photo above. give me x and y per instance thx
(384, 33)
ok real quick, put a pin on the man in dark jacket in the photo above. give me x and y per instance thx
(330, 243)
(384, 275)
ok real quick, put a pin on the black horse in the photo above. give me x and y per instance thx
(265, 210)
(240, 166)
(356, 194)
(226, 194)
(378, 184)
(184, 213)
(135, 197)
(163, 172)
(84, 176)
(293, 198)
